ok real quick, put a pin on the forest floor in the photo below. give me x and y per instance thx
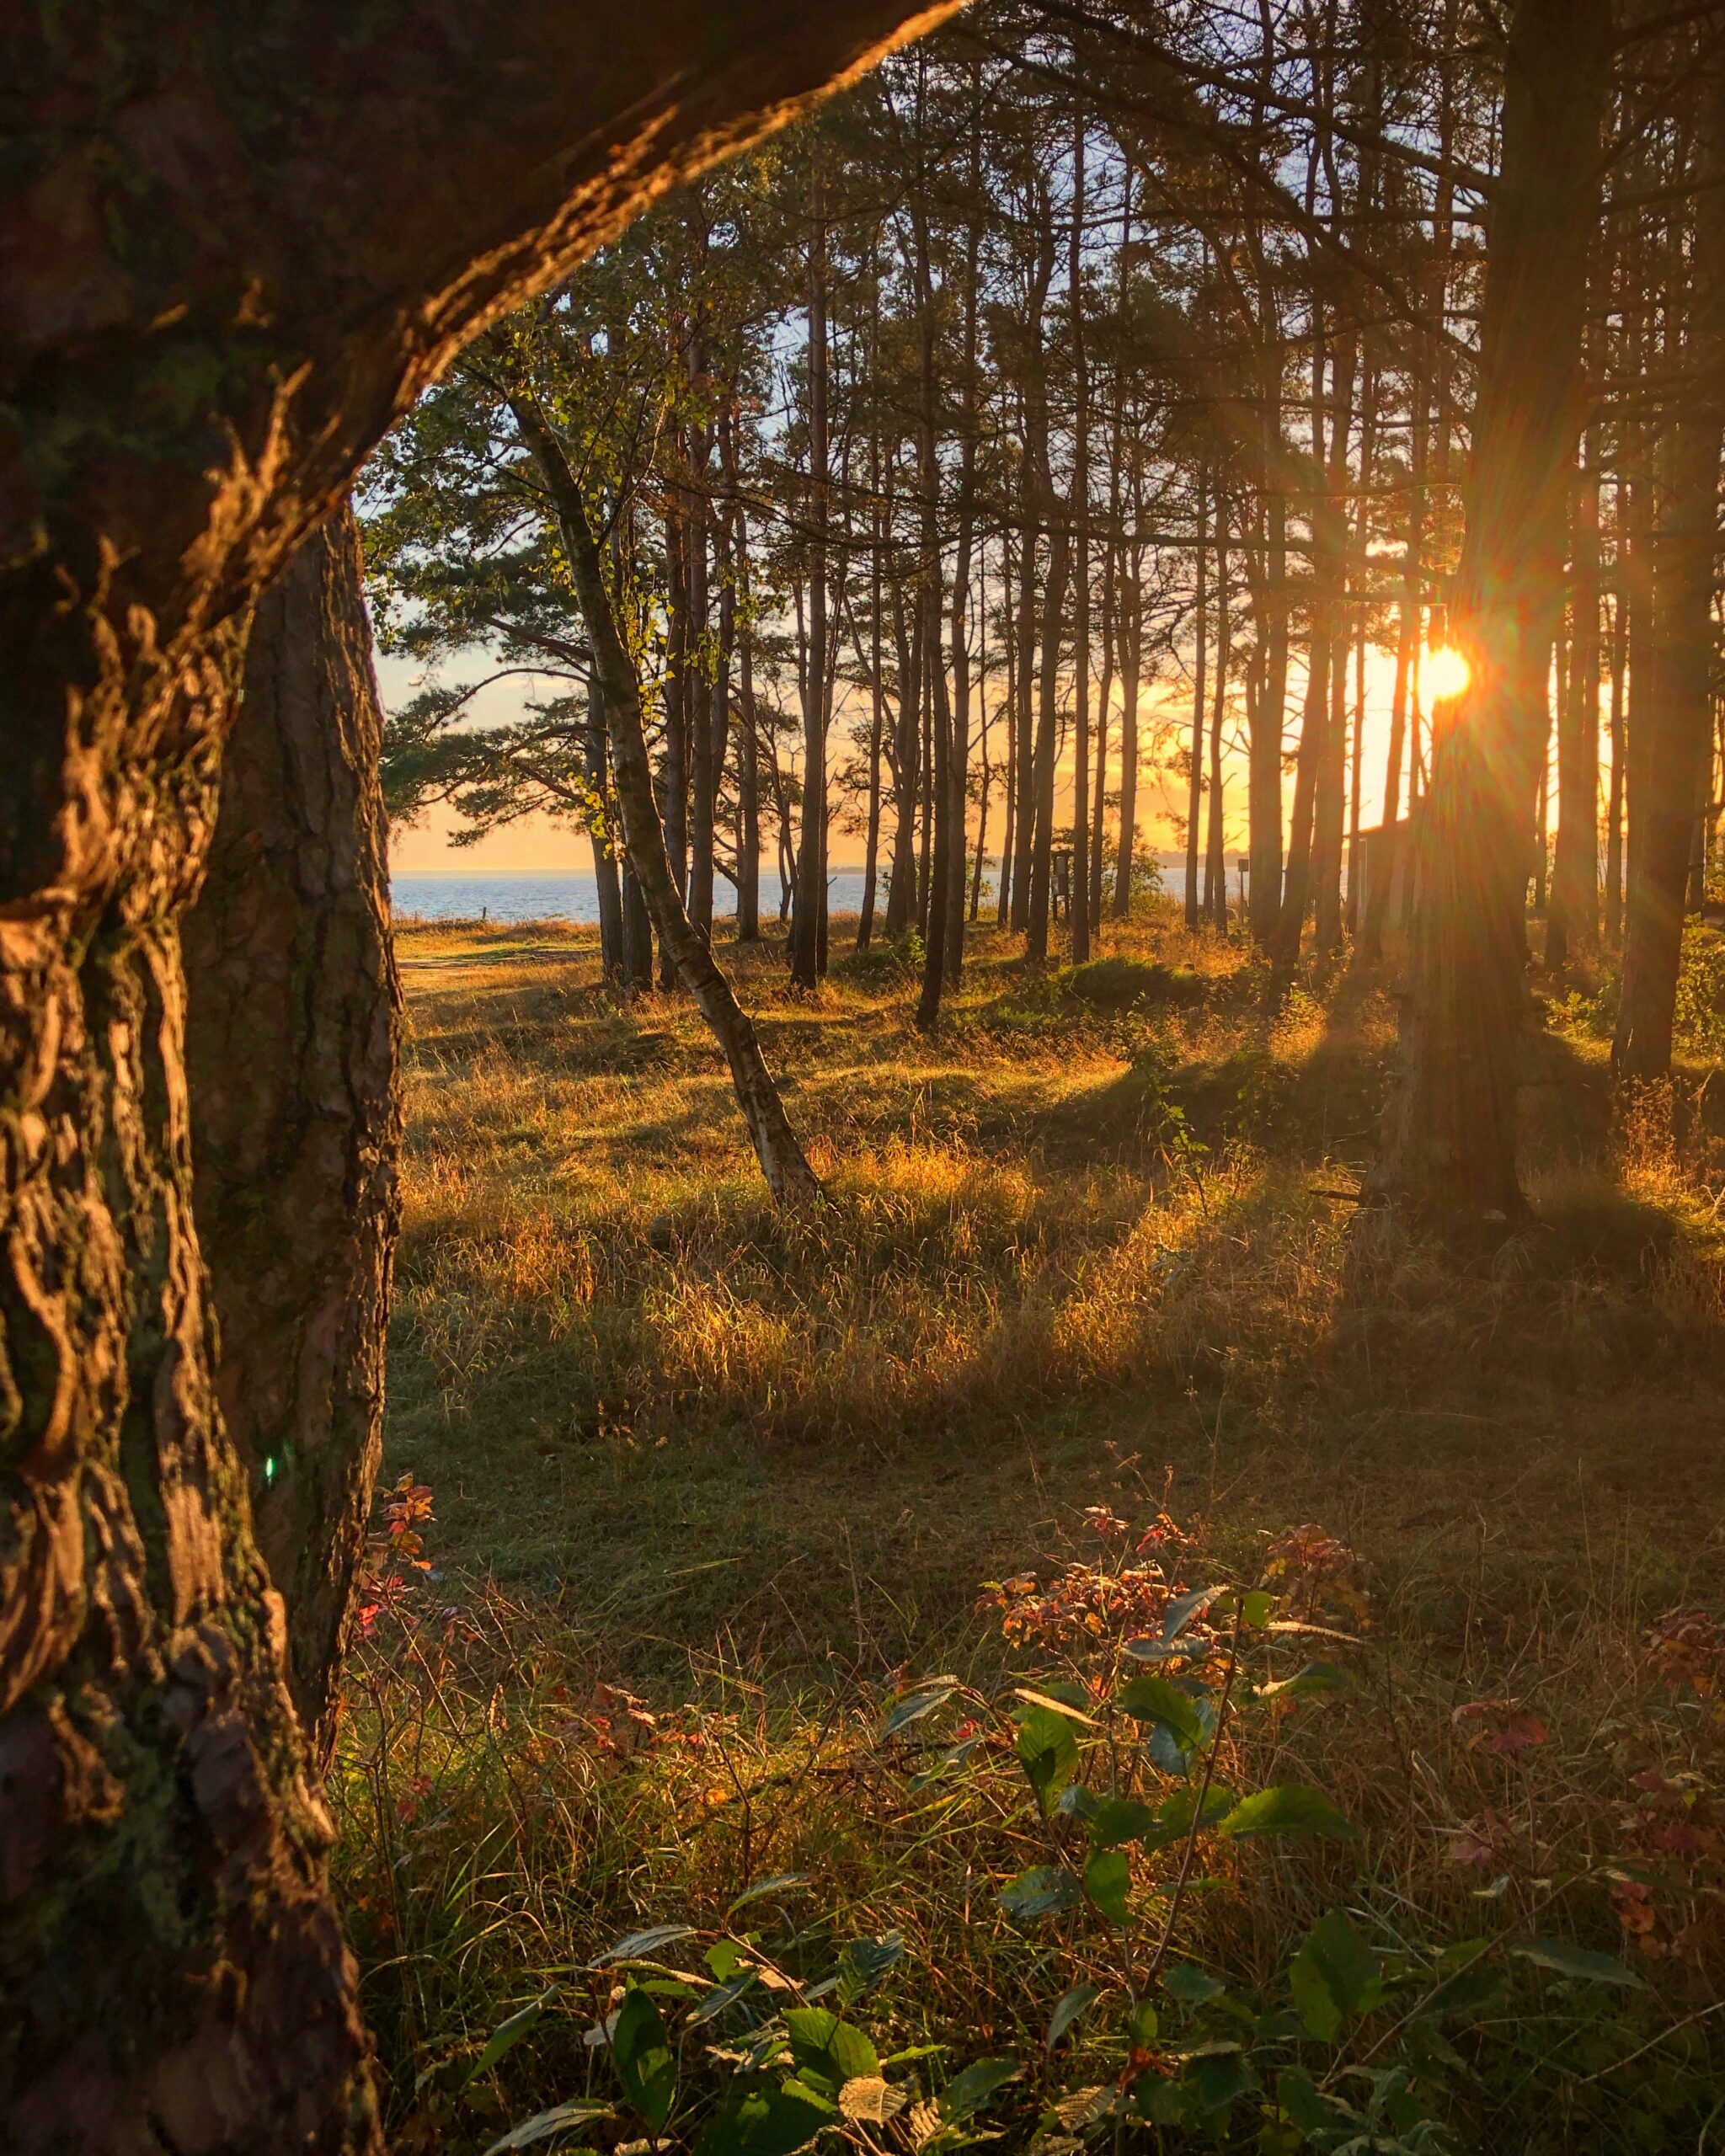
(712, 1488)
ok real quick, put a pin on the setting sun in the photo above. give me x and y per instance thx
(1447, 675)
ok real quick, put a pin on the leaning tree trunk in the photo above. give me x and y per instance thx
(293, 1010)
(233, 247)
(684, 946)
(1449, 1132)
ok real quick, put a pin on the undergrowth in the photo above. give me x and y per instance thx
(1246, 1860)
(718, 1490)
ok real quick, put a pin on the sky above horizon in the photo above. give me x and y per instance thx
(540, 845)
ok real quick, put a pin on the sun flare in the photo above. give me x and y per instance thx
(1447, 675)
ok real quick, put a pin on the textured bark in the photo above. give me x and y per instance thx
(807, 960)
(1572, 925)
(604, 876)
(174, 1972)
(292, 1031)
(1131, 649)
(1450, 1130)
(235, 243)
(1670, 744)
(1264, 803)
(1081, 571)
(1194, 754)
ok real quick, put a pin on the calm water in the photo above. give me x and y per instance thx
(566, 898)
(576, 898)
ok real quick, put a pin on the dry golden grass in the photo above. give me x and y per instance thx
(741, 1464)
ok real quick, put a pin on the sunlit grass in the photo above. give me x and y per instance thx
(747, 1464)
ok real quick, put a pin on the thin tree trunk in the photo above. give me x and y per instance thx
(748, 743)
(604, 876)
(876, 718)
(1047, 731)
(1407, 657)
(674, 781)
(1614, 811)
(1104, 710)
(637, 933)
(1264, 801)
(702, 749)
(979, 859)
(806, 937)
(907, 736)
(1131, 650)
(1332, 573)
(1009, 709)
(1574, 924)
(1080, 586)
(1215, 859)
(1315, 717)
(1024, 720)
(1195, 791)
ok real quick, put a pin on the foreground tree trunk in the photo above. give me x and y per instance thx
(292, 1054)
(1450, 1130)
(233, 248)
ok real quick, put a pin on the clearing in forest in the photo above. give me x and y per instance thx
(1087, 1314)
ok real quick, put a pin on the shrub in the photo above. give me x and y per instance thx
(1120, 983)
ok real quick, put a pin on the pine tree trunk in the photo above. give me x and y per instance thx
(697, 691)
(907, 771)
(1022, 719)
(1573, 924)
(1215, 856)
(876, 690)
(1614, 793)
(637, 933)
(748, 757)
(293, 1055)
(806, 937)
(1450, 1131)
(1131, 645)
(1331, 574)
(158, 1830)
(1264, 799)
(1081, 565)
(674, 778)
(1047, 727)
(605, 882)
(1674, 721)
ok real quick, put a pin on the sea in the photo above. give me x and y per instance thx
(575, 897)
(568, 897)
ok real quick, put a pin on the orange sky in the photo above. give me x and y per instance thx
(537, 846)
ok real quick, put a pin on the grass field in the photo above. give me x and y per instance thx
(712, 1486)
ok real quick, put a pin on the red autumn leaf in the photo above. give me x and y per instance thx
(1678, 1838)
(1525, 1730)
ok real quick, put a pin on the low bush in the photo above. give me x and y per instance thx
(1119, 982)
